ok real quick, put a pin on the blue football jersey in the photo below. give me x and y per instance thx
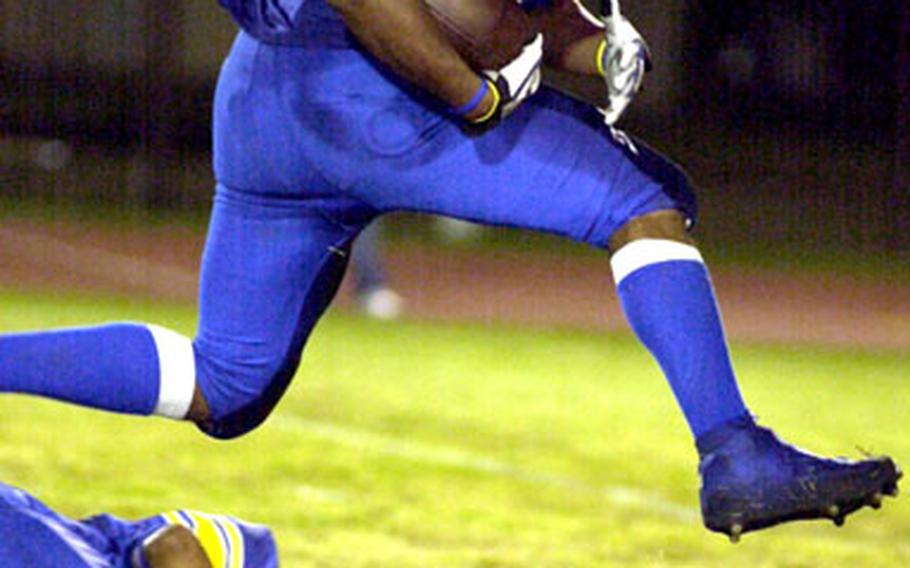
(228, 542)
(32, 534)
(289, 22)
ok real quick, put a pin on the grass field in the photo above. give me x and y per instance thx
(408, 445)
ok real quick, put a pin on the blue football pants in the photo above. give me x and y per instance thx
(311, 145)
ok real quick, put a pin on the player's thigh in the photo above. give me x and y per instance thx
(553, 167)
(269, 269)
(297, 121)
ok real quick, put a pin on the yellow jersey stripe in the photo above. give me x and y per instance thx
(211, 539)
(220, 537)
(236, 539)
(172, 518)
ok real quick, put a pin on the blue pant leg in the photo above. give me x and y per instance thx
(288, 118)
(269, 270)
(278, 237)
(553, 166)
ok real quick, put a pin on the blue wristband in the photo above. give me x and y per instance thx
(472, 104)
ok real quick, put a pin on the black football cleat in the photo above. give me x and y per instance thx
(752, 480)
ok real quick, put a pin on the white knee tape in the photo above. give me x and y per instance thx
(177, 372)
(645, 252)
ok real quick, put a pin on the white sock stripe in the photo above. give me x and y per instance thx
(177, 372)
(645, 252)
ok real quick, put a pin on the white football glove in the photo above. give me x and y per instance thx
(512, 84)
(623, 60)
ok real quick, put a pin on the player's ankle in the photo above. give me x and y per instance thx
(717, 435)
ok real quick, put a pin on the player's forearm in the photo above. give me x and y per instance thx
(580, 56)
(403, 35)
(572, 39)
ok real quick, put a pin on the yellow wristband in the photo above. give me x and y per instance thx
(497, 98)
(600, 57)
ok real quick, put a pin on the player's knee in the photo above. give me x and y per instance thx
(239, 393)
(665, 224)
(668, 212)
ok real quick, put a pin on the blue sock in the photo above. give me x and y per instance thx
(111, 367)
(666, 293)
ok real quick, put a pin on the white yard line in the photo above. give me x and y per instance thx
(645, 501)
(622, 496)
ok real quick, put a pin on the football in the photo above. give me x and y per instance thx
(487, 33)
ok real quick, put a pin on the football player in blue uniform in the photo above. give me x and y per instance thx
(32, 535)
(329, 113)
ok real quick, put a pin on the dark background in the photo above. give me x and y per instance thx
(791, 117)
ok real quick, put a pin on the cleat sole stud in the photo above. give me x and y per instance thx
(875, 500)
(736, 531)
(838, 521)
